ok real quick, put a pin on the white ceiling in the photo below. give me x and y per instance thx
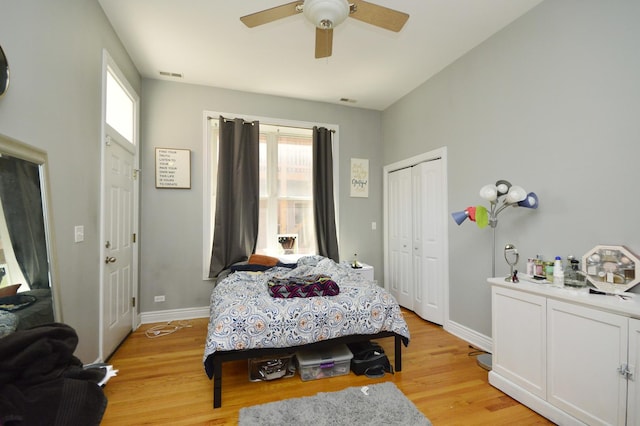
(205, 41)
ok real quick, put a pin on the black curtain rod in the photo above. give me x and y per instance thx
(268, 124)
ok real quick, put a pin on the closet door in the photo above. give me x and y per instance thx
(400, 236)
(428, 241)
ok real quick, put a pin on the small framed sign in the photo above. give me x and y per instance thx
(359, 177)
(173, 168)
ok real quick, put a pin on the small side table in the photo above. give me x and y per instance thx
(366, 271)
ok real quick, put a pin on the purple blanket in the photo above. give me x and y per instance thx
(305, 286)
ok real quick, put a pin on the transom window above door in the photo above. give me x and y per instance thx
(120, 107)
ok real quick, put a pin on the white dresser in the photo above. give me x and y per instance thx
(569, 355)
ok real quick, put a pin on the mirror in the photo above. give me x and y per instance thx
(28, 290)
(4, 72)
(511, 255)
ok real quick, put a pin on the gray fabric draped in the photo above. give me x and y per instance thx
(323, 205)
(235, 231)
(24, 216)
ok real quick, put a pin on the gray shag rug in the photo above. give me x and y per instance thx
(381, 404)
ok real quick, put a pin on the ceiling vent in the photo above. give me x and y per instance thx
(170, 74)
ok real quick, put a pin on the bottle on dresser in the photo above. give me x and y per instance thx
(558, 273)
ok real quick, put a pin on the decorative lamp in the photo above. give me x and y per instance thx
(500, 196)
(326, 14)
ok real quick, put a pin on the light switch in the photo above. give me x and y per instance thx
(374, 226)
(79, 234)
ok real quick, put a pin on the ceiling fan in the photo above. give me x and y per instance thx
(328, 14)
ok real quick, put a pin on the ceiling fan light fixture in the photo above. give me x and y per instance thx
(326, 14)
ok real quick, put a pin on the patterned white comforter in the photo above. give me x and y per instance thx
(244, 316)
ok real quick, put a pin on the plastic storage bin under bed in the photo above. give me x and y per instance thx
(335, 361)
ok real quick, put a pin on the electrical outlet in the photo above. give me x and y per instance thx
(78, 234)
(158, 298)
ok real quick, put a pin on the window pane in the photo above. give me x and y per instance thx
(262, 227)
(294, 167)
(296, 217)
(119, 114)
(264, 190)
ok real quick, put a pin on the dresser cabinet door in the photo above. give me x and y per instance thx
(586, 348)
(519, 339)
(633, 405)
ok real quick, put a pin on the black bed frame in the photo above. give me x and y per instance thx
(223, 356)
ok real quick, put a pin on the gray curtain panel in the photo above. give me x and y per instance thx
(324, 212)
(235, 231)
(23, 213)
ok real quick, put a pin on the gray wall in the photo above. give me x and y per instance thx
(171, 229)
(54, 103)
(550, 103)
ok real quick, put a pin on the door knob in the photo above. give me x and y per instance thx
(110, 260)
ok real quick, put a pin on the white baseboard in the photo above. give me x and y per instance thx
(478, 340)
(174, 315)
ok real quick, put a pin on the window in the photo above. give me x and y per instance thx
(286, 197)
(286, 194)
(119, 107)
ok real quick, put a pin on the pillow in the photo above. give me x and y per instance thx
(17, 302)
(261, 259)
(251, 268)
(10, 290)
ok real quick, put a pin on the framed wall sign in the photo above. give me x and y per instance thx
(173, 168)
(359, 177)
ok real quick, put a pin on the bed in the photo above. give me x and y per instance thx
(30, 308)
(247, 322)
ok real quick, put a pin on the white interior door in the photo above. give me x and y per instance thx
(428, 244)
(400, 237)
(118, 254)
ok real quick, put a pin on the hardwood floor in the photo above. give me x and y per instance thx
(162, 381)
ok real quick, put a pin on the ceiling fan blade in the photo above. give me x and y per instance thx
(324, 42)
(379, 16)
(273, 14)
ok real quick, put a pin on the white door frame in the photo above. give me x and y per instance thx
(409, 162)
(108, 62)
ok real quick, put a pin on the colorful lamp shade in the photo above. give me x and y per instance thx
(460, 217)
(469, 212)
(530, 202)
